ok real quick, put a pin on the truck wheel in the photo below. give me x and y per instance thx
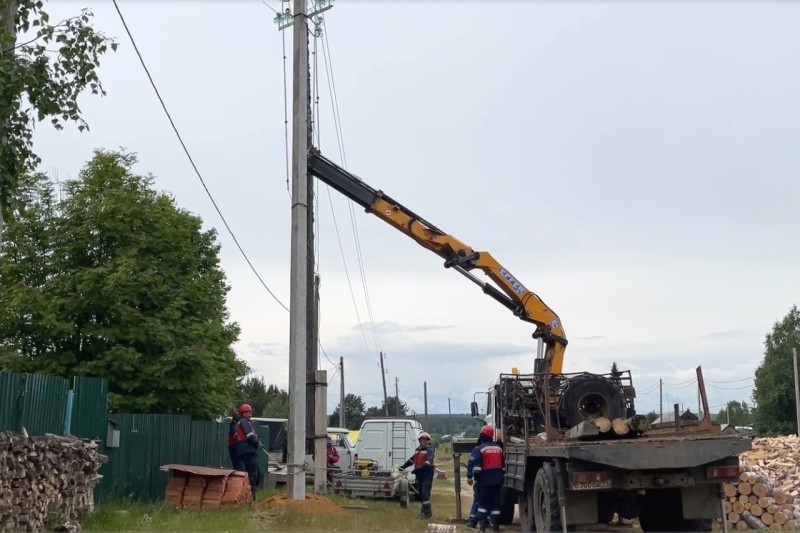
(404, 490)
(546, 513)
(589, 396)
(507, 512)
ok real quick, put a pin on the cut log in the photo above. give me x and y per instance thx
(744, 498)
(752, 521)
(756, 509)
(621, 426)
(738, 508)
(730, 490)
(765, 501)
(767, 518)
(781, 517)
(734, 517)
(728, 506)
(753, 499)
(762, 489)
(741, 525)
(744, 488)
(603, 424)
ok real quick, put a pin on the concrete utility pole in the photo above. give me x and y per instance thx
(796, 390)
(342, 420)
(298, 316)
(396, 397)
(320, 444)
(425, 393)
(385, 399)
(312, 340)
(304, 284)
(660, 399)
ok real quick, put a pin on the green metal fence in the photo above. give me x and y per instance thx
(48, 404)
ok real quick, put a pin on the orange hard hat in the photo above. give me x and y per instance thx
(488, 431)
(245, 408)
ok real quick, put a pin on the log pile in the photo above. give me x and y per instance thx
(767, 495)
(604, 428)
(45, 480)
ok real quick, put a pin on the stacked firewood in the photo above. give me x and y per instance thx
(768, 492)
(45, 480)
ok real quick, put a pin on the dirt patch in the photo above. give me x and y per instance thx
(312, 504)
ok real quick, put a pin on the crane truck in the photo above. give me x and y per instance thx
(564, 466)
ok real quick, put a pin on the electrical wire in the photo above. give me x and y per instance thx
(191, 160)
(731, 381)
(197, 171)
(285, 114)
(680, 386)
(343, 156)
(730, 388)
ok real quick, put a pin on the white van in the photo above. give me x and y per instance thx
(387, 441)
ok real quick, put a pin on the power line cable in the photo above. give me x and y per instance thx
(326, 54)
(189, 156)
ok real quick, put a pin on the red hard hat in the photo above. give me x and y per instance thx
(487, 431)
(245, 408)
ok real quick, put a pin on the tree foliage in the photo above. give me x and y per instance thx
(651, 417)
(41, 78)
(354, 412)
(115, 281)
(277, 403)
(253, 390)
(396, 407)
(736, 414)
(773, 393)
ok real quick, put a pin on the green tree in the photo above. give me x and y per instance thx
(354, 411)
(253, 390)
(651, 416)
(392, 404)
(117, 282)
(277, 403)
(41, 78)
(736, 413)
(774, 383)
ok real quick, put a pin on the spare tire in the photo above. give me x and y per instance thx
(588, 396)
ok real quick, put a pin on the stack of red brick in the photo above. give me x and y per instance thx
(209, 488)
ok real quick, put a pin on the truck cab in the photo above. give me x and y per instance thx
(347, 450)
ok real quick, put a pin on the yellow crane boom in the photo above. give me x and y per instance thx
(524, 303)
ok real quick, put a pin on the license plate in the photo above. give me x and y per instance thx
(363, 492)
(592, 485)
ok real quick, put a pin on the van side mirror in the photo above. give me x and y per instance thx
(474, 409)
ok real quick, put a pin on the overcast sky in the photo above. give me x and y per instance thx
(633, 163)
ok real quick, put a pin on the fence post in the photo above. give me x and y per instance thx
(68, 412)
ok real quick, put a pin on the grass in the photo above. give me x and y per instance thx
(371, 515)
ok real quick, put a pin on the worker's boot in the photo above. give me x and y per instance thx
(495, 526)
(472, 523)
